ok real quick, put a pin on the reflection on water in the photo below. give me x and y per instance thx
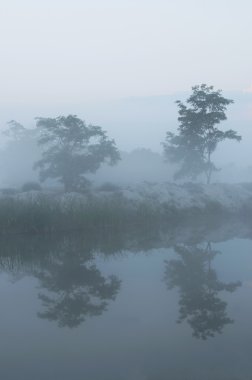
(61, 282)
(71, 286)
(76, 290)
(199, 288)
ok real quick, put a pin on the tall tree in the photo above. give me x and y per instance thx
(72, 149)
(198, 132)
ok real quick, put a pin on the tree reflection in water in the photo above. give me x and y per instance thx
(72, 288)
(199, 286)
(76, 290)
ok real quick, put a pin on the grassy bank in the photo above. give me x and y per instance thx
(44, 214)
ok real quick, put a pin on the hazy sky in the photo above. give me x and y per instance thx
(61, 51)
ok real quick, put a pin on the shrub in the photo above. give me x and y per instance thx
(9, 191)
(108, 186)
(83, 186)
(29, 186)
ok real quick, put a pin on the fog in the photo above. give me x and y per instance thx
(125, 189)
(121, 65)
(138, 125)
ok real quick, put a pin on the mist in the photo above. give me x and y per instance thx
(138, 126)
(125, 189)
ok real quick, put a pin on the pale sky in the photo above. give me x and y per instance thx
(67, 51)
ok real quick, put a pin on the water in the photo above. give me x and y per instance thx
(173, 305)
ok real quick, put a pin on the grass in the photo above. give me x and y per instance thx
(48, 214)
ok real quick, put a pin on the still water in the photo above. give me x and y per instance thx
(106, 307)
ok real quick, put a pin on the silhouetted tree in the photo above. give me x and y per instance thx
(72, 149)
(76, 290)
(17, 131)
(198, 288)
(71, 287)
(198, 134)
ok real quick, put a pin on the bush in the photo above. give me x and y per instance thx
(9, 191)
(83, 186)
(29, 186)
(108, 186)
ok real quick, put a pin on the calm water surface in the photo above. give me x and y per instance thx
(126, 309)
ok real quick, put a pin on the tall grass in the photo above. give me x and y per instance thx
(48, 214)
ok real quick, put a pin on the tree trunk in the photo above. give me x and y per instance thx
(67, 185)
(209, 168)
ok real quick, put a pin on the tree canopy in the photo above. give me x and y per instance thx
(71, 149)
(198, 134)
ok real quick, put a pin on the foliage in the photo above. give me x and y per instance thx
(198, 135)
(29, 186)
(75, 289)
(41, 213)
(109, 187)
(20, 151)
(72, 149)
(16, 131)
(9, 191)
(71, 286)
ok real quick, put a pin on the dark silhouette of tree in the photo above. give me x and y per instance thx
(76, 290)
(71, 287)
(199, 286)
(198, 135)
(17, 131)
(72, 149)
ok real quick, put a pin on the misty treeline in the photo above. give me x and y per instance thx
(65, 149)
